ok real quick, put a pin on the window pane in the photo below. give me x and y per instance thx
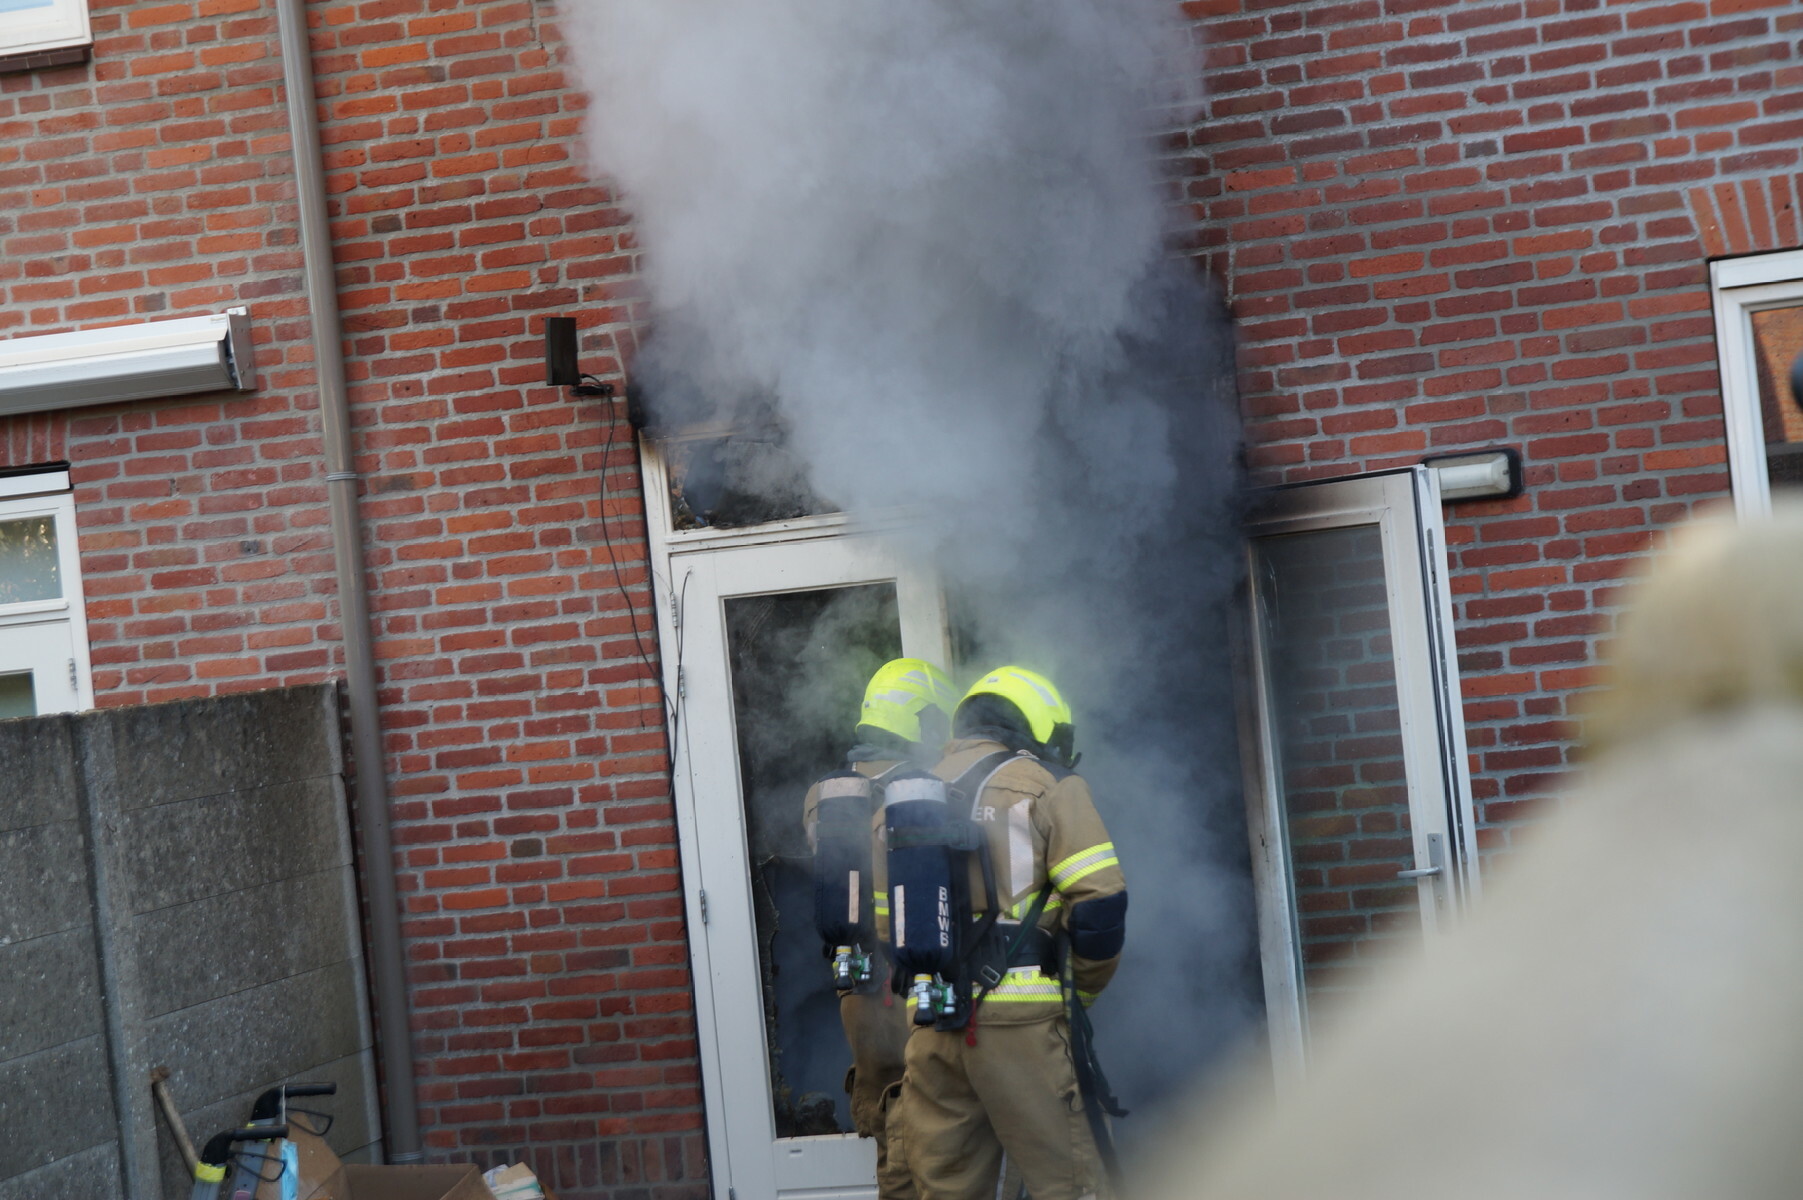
(15, 696)
(1337, 728)
(28, 560)
(799, 664)
(1777, 341)
(730, 482)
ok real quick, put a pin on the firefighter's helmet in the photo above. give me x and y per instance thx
(910, 698)
(1043, 715)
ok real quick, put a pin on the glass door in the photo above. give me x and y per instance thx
(37, 670)
(776, 642)
(1360, 800)
(43, 632)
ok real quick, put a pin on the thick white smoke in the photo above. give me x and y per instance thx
(932, 235)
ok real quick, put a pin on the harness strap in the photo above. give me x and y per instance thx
(879, 782)
(964, 789)
(1028, 925)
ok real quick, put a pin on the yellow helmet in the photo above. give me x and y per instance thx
(1047, 716)
(903, 692)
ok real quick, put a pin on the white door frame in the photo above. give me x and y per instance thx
(1405, 506)
(59, 618)
(695, 571)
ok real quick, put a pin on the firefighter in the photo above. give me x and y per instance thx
(1007, 1081)
(903, 725)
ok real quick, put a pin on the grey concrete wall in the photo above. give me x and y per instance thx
(176, 890)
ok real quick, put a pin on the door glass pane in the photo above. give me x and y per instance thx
(799, 664)
(1777, 341)
(15, 696)
(1336, 726)
(28, 560)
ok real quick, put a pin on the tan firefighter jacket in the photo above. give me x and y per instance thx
(1043, 830)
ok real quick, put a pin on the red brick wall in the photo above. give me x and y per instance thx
(526, 749)
(1451, 223)
(1443, 224)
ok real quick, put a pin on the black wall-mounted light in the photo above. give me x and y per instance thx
(561, 366)
(1478, 474)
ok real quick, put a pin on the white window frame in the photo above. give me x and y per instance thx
(1742, 287)
(46, 493)
(50, 26)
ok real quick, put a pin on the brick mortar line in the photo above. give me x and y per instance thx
(1567, 170)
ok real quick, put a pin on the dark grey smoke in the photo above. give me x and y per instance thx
(931, 236)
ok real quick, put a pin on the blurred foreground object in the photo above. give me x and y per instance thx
(1717, 627)
(1622, 1018)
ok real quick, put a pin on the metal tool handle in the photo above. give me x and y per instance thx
(310, 1089)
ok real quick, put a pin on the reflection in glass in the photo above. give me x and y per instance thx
(15, 696)
(1777, 341)
(799, 664)
(1337, 729)
(28, 560)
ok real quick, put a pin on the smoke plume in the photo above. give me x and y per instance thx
(928, 241)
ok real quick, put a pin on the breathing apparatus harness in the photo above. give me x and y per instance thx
(946, 955)
(952, 961)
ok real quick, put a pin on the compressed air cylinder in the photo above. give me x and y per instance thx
(843, 913)
(922, 862)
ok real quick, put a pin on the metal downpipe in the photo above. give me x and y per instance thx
(387, 974)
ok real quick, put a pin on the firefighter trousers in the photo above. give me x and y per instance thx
(1014, 1092)
(877, 1027)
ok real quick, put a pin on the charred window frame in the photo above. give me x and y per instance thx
(667, 493)
(736, 480)
(1759, 334)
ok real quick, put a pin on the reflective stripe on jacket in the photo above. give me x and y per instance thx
(1043, 830)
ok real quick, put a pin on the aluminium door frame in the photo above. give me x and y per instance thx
(714, 862)
(1405, 506)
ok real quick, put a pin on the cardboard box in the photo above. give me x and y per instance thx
(324, 1177)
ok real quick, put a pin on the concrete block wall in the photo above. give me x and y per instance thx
(1447, 224)
(53, 1029)
(178, 892)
